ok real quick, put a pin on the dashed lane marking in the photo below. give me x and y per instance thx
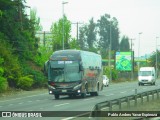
(61, 104)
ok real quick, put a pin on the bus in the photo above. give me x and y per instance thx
(74, 72)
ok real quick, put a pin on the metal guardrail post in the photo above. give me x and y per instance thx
(135, 100)
(135, 91)
(120, 106)
(152, 95)
(157, 94)
(96, 111)
(142, 99)
(147, 97)
(128, 102)
(110, 106)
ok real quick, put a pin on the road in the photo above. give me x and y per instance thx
(42, 101)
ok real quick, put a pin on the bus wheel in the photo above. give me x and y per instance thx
(56, 96)
(92, 93)
(83, 95)
(97, 93)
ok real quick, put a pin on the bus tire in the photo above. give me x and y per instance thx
(97, 92)
(56, 96)
(92, 93)
(83, 95)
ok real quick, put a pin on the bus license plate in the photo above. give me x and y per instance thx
(64, 90)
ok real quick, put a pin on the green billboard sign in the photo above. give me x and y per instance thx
(123, 61)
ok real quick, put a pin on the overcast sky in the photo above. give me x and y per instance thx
(134, 16)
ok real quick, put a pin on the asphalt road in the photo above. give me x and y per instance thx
(40, 100)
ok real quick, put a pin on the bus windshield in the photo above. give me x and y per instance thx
(65, 71)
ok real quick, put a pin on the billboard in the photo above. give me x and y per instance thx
(123, 61)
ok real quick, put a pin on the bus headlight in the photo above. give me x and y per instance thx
(77, 86)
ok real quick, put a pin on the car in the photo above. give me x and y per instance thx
(105, 80)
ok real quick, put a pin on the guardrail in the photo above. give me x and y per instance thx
(127, 99)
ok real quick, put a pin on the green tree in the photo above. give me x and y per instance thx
(91, 33)
(152, 59)
(3, 81)
(108, 32)
(103, 25)
(124, 44)
(18, 41)
(114, 34)
(82, 38)
(57, 33)
(74, 44)
(35, 20)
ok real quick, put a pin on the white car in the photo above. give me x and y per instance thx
(105, 81)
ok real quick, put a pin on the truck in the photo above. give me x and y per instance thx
(74, 72)
(146, 75)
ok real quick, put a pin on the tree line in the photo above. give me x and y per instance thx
(18, 47)
(22, 57)
(94, 36)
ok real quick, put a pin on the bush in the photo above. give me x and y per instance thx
(25, 82)
(3, 81)
(39, 79)
(106, 71)
(3, 84)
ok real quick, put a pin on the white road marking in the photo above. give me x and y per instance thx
(123, 92)
(109, 95)
(69, 118)
(89, 99)
(61, 104)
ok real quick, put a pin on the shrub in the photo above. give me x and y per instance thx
(3, 81)
(3, 84)
(25, 82)
(106, 71)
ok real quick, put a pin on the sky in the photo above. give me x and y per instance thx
(134, 17)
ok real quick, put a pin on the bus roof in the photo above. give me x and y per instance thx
(70, 54)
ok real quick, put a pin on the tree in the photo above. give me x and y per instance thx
(35, 20)
(57, 33)
(108, 33)
(124, 44)
(74, 44)
(91, 34)
(103, 25)
(18, 42)
(82, 38)
(114, 34)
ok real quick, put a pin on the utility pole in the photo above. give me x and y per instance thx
(63, 3)
(139, 51)
(77, 23)
(132, 72)
(110, 52)
(156, 59)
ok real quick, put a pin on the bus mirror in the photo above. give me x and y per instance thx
(80, 68)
